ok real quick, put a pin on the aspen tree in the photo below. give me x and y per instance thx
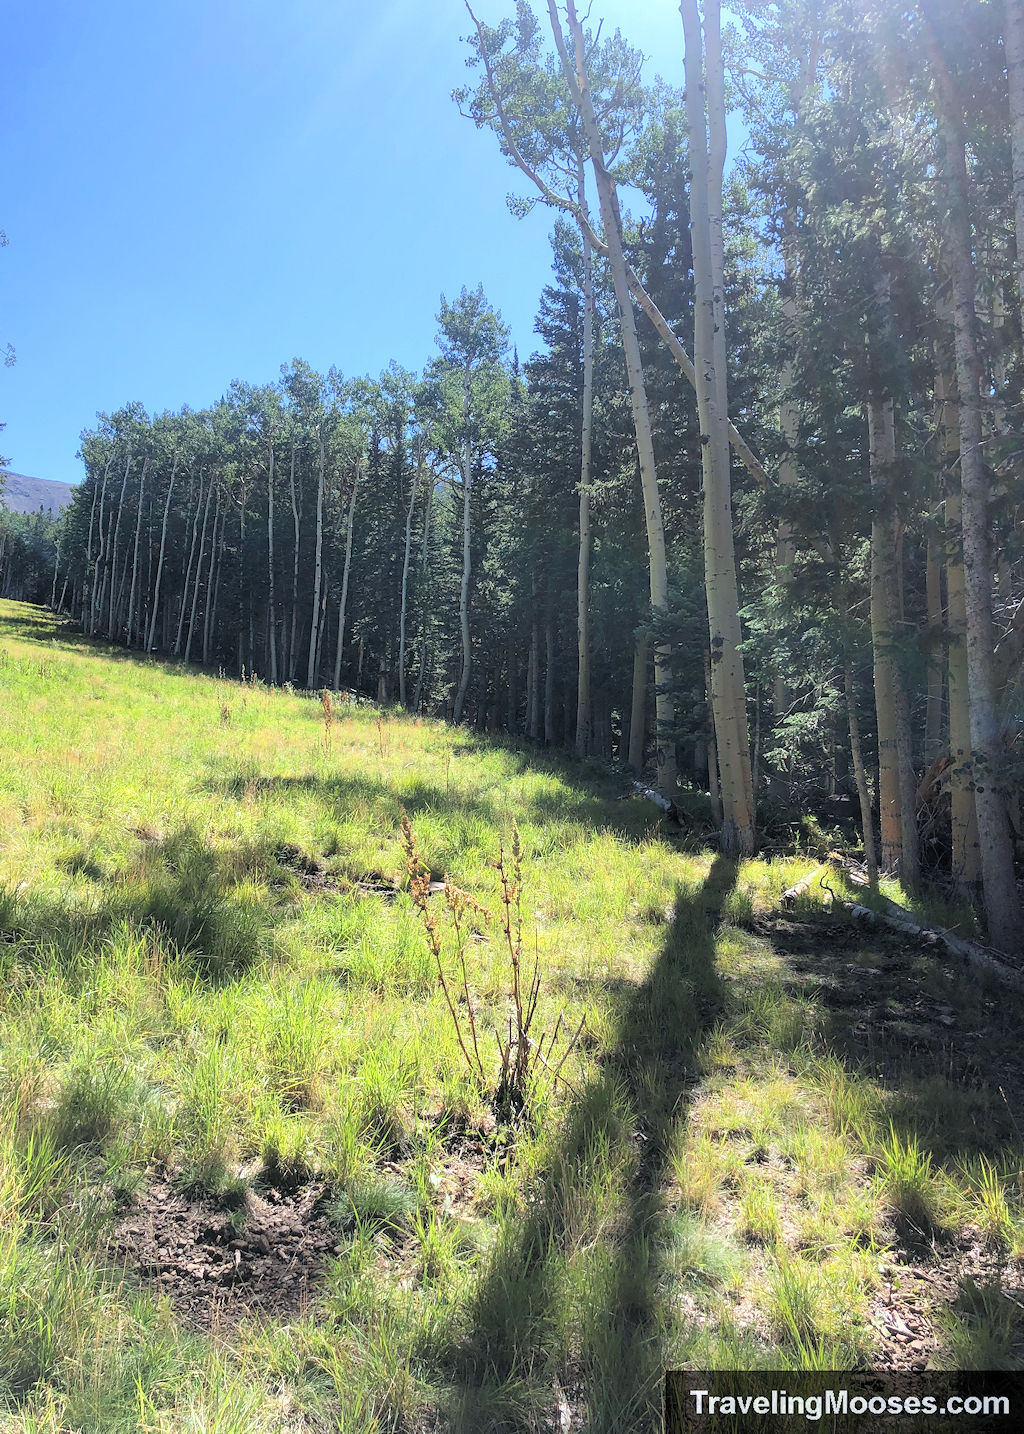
(343, 600)
(151, 637)
(586, 434)
(707, 150)
(318, 559)
(574, 68)
(1002, 905)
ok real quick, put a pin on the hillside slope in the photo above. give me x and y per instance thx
(251, 1177)
(22, 494)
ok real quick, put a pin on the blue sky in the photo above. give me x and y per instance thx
(202, 190)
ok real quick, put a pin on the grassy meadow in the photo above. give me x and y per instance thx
(779, 1142)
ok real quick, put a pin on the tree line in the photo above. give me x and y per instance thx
(752, 511)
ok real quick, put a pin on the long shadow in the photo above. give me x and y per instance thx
(629, 821)
(943, 1041)
(572, 1292)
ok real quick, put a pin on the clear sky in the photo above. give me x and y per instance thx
(202, 190)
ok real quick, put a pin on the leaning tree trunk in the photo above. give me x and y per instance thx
(314, 627)
(1002, 906)
(187, 579)
(575, 70)
(583, 565)
(210, 599)
(199, 570)
(343, 603)
(707, 148)
(414, 488)
(151, 637)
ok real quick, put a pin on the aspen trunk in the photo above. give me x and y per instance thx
(575, 70)
(208, 605)
(314, 625)
(93, 563)
(933, 599)
(707, 149)
(897, 787)
(343, 602)
(583, 564)
(638, 705)
(100, 583)
(1014, 47)
(549, 681)
(292, 651)
(191, 559)
(135, 552)
(467, 558)
(199, 569)
(424, 554)
(789, 409)
(160, 560)
(271, 605)
(1002, 907)
(414, 488)
(216, 582)
(714, 782)
(867, 823)
(512, 683)
(113, 551)
(533, 684)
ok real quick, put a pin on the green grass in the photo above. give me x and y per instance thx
(193, 983)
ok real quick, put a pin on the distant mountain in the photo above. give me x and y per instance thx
(28, 495)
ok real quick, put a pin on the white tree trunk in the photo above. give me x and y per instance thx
(271, 605)
(575, 70)
(707, 150)
(583, 564)
(414, 487)
(1014, 46)
(343, 603)
(314, 626)
(467, 559)
(1002, 906)
(424, 555)
(292, 653)
(151, 638)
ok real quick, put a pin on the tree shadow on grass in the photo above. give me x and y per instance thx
(630, 822)
(941, 1039)
(184, 893)
(573, 1295)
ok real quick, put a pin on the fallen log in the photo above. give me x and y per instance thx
(793, 893)
(897, 918)
(664, 803)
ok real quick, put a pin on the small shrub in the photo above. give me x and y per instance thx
(374, 1202)
(907, 1181)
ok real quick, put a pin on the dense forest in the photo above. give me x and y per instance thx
(751, 513)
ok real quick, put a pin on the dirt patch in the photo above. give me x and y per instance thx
(912, 1297)
(216, 1264)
